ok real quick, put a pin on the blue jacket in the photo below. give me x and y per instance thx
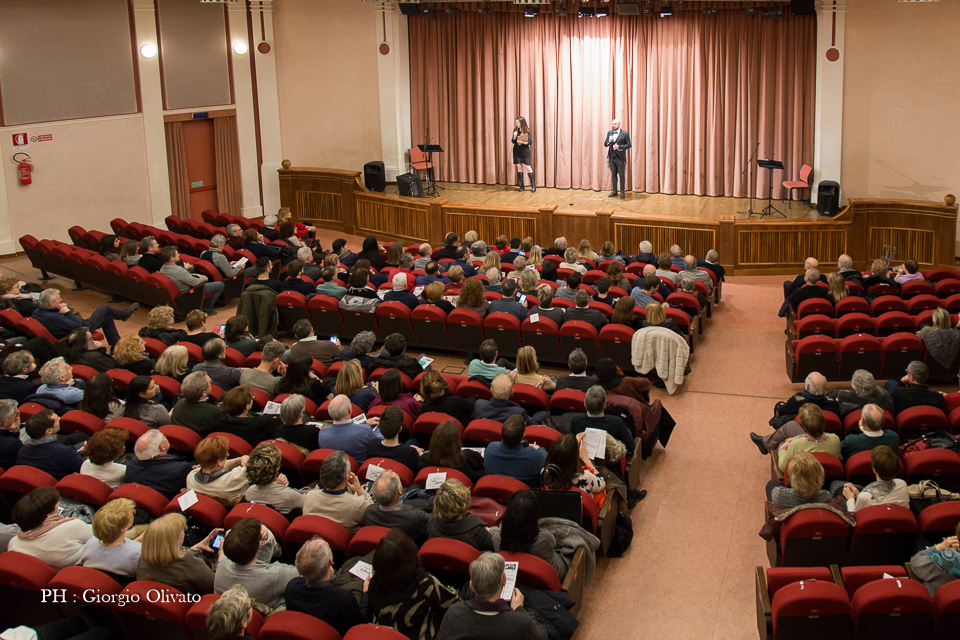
(10, 446)
(405, 297)
(59, 324)
(523, 462)
(423, 281)
(511, 306)
(349, 437)
(167, 474)
(55, 458)
(499, 410)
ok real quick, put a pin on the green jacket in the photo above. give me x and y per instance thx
(258, 305)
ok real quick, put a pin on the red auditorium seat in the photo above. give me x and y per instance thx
(373, 632)
(150, 500)
(937, 274)
(884, 534)
(857, 469)
(952, 303)
(85, 489)
(815, 306)
(939, 521)
(891, 322)
(206, 511)
(121, 378)
(566, 400)
(497, 488)
(452, 474)
(428, 422)
(812, 538)
(914, 288)
(291, 307)
(394, 317)
(815, 325)
(505, 330)
(832, 468)
(892, 609)
(293, 625)
(303, 528)
(324, 314)
(814, 353)
(483, 431)
(853, 323)
(946, 288)
(429, 326)
(897, 351)
(922, 303)
(314, 461)
(82, 422)
(543, 336)
(407, 477)
(268, 517)
(858, 351)
(472, 388)
(851, 304)
(855, 577)
(532, 398)
(946, 605)
(884, 303)
(465, 329)
(917, 421)
(367, 539)
(811, 610)
(939, 465)
(20, 480)
(579, 335)
(614, 342)
(134, 427)
(769, 582)
(541, 435)
(21, 577)
(448, 556)
(238, 446)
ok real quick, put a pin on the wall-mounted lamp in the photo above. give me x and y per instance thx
(148, 51)
(240, 48)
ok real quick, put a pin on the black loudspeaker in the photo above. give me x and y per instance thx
(803, 8)
(828, 198)
(410, 185)
(409, 8)
(374, 177)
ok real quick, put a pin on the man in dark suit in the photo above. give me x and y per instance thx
(912, 390)
(577, 378)
(789, 286)
(15, 383)
(808, 291)
(617, 142)
(845, 269)
(646, 254)
(400, 293)
(584, 313)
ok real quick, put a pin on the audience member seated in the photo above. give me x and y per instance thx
(293, 410)
(941, 339)
(400, 292)
(10, 443)
(102, 450)
(150, 258)
(451, 519)
(603, 293)
(140, 404)
(391, 422)
(939, 564)
(154, 467)
(424, 252)
(838, 288)
(519, 531)
(391, 393)
(227, 269)
(295, 281)
(247, 547)
(388, 511)
(163, 558)
(110, 550)
(570, 261)
(813, 438)
(184, 280)
(712, 262)
(568, 465)
(236, 335)
(624, 313)
(160, 326)
(327, 284)
(431, 274)
(486, 616)
(59, 384)
(792, 427)
(316, 593)
(43, 451)
(690, 267)
(173, 363)
(657, 317)
(300, 377)
(402, 595)
(359, 349)
(16, 383)
(404, 266)
(595, 402)
(218, 477)
(500, 407)
(545, 308)
(262, 377)
(664, 263)
(845, 268)
(864, 390)
(266, 484)
(99, 398)
(345, 256)
(809, 291)
(344, 434)
(194, 410)
(339, 496)
(888, 488)
(437, 398)
(872, 434)
(220, 374)
(264, 268)
(911, 391)
(583, 313)
(196, 322)
(393, 356)
(234, 236)
(790, 286)
(471, 296)
(57, 318)
(511, 253)
(434, 297)
(643, 294)
(130, 354)
(688, 285)
(548, 272)
(24, 303)
(253, 242)
(814, 391)
(806, 483)
(44, 533)
(446, 450)
(559, 248)
(449, 248)
(513, 456)
(569, 290)
(488, 365)
(80, 348)
(493, 277)
(350, 383)
(528, 370)
(229, 616)
(880, 274)
(237, 420)
(577, 379)
(646, 254)
(676, 256)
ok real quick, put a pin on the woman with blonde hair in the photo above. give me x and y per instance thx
(451, 519)
(806, 483)
(570, 261)
(471, 297)
(218, 476)
(941, 338)
(350, 383)
(160, 326)
(434, 295)
(110, 550)
(838, 288)
(229, 616)
(173, 363)
(584, 250)
(528, 370)
(130, 354)
(492, 261)
(657, 317)
(455, 275)
(163, 558)
(536, 256)
(267, 485)
(197, 333)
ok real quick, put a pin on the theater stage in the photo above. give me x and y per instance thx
(657, 204)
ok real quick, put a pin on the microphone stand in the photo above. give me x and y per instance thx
(749, 167)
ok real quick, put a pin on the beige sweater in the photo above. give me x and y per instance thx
(345, 508)
(661, 349)
(60, 547)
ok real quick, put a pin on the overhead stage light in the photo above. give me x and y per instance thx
(531, 12)
(710, 11)
(586, 12)
(772, 13)
(429, 13)
(559, 10)
(749, 11)
(452, 11)
(603, 12)
(666, 11)
(628, 8)
(484, 11)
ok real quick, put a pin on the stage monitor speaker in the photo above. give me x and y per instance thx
(374, 176)
(410, 185)
(628, 8)
(803, 8)
(828, 198)
(409, 8)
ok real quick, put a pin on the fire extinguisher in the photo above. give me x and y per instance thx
(24, 168)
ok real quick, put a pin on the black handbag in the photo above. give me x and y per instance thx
(622, 537)
(941, 439)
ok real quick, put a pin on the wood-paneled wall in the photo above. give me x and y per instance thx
(925, 231)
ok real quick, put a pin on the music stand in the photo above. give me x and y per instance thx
(430, 149)
(770, 165)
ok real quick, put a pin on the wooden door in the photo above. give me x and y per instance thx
(201, 155)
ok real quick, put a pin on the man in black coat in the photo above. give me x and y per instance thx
(912, 390)
(617, 142)
(789, 286)
(808, 291)
(15, 384)
(393, 357)
(815, 392)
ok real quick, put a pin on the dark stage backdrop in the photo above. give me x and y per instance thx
(696, 94)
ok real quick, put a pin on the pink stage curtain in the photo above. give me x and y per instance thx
(696, 94)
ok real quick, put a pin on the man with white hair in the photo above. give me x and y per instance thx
(10, 442)
(871, 434)
(226, 268)
(688, 285)
(193, 410)
(617, 142)
(814, 391)
(310, 268)
(15, 383)
(558, 248)
(269, 228)
(155, 467)
(346, 435)
(316, 593)
(845, 269)
(712, 262)
(809, 291)
(424, 251)
(405, 267)
(235, 236)
(690, 266)
(789, 286)
(646, 254)
(54, 314)
(400, 292)
(339, 496)
(390, 512)
(493, 280)
(500, 407)
(676, 256)
(57, 378)
(487, 616)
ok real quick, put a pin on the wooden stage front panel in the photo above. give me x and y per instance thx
(924, 231)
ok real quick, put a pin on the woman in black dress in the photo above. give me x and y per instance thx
(521, 152)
